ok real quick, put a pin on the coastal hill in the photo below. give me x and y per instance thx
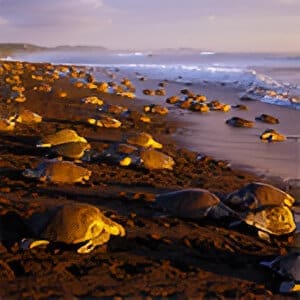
(9, 49)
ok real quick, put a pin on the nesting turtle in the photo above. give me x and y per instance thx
(61, 137)
(274, 220)
(73, 150)
(153, 159)
(200, 107)
(144, 140)
(217, 105)
(193, 204)
(80, 224)
(265, 207)
(7, 125)
(28, 117)
(240, 106)
(272, 135)
(92, 100)
(149, 92)
(257, 194)
(58, 172)
(288, 266)
(267, 119)
(172, 99)
(239, 122)
(156, 109)
(160, 92)
(105, 121)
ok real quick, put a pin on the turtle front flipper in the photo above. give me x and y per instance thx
(91, 244)
(289, 287)
(26, 244)
(264, 236)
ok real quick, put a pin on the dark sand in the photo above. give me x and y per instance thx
(159, 257)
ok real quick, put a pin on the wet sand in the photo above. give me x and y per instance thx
(207, 132)
(160, 257)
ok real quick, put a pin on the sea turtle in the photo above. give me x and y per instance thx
(193, 204)
(92, 100)
(160, 92)
(172, 99)
(257, 194)
(240, 106)
(239, 122)
(200, 98)
(199, 106)
(287, 266)
(272, 135)
(267, 119)
(81, 224)
(144, 140)
(61, 137)
(217, 105)
(156, 109)
(153, 159)
(149, 92)
(7, 125)
(58, 172)
(73, 150)
(272, 219)
(28, 117)
(105, 121)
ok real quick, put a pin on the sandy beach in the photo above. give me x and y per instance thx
(160, 257)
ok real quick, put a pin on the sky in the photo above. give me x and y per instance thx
(210, 25)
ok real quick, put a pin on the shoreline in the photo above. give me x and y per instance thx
(270, 160)
(160, 256)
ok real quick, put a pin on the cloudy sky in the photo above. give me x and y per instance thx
(220, 25)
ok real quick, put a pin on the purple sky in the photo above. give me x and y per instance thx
(219, 25)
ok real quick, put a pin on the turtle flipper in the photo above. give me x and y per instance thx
(264, 236)
(91, 244)
(26, 244)
(289, 287)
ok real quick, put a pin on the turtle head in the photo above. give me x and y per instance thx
(221, 211)
(32, 173)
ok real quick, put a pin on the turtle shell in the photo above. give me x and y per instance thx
(77, 223)
(144, 140)
(239, 122)
(58, 172)
(193, 204)
(275, 220)
(61, 137)
(74, 150)
(255, 195)
(267, 119)
(153, 159)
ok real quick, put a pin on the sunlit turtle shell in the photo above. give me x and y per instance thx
(239, 122)
(80, 223)
(257, 194)
(193, 204)
(74, 150)
(267, 119)
(272, 135)
(61, 137)
(144, 140)
(58, 172)
(153, 159)
(28, 117)
(275, 220)
(6, 125)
